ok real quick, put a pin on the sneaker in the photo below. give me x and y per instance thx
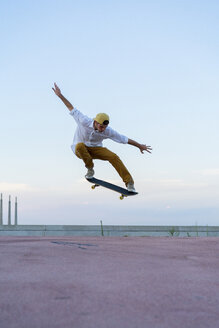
(130, 187)
(90, 173)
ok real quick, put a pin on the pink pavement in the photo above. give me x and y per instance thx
(109, 282)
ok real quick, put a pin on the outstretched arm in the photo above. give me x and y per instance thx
(141, 147)
(59, 94)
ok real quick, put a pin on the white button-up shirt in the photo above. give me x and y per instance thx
(86, 133)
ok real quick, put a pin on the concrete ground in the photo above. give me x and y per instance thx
(109, 282)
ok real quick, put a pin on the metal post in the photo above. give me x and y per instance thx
(1, 211)
(9, 211)
(15, 212)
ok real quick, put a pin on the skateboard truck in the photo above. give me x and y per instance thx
(94, 186)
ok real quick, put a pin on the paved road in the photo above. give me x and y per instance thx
(109, 282)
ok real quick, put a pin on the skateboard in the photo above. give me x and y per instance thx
(124, 192)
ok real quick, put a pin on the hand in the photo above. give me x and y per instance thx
(141, 147)
(144, 147)
(57, 90)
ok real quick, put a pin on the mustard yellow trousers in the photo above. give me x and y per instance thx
(87, 154)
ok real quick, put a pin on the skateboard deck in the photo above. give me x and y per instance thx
(124, 192)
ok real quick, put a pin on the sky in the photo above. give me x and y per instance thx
(153, 67)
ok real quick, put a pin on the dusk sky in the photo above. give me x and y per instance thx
(153, 67)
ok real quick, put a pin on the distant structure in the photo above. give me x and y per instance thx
(15, 212)
(9, 211)
(1, 211)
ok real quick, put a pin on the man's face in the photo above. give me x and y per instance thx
(100, 127)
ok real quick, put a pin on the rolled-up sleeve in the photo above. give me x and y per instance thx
(117, 137)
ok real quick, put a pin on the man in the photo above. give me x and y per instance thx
(87, 143)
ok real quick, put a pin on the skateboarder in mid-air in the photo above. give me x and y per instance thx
(87, 143)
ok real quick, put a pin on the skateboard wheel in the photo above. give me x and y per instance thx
(121, 197)
(93, 187)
